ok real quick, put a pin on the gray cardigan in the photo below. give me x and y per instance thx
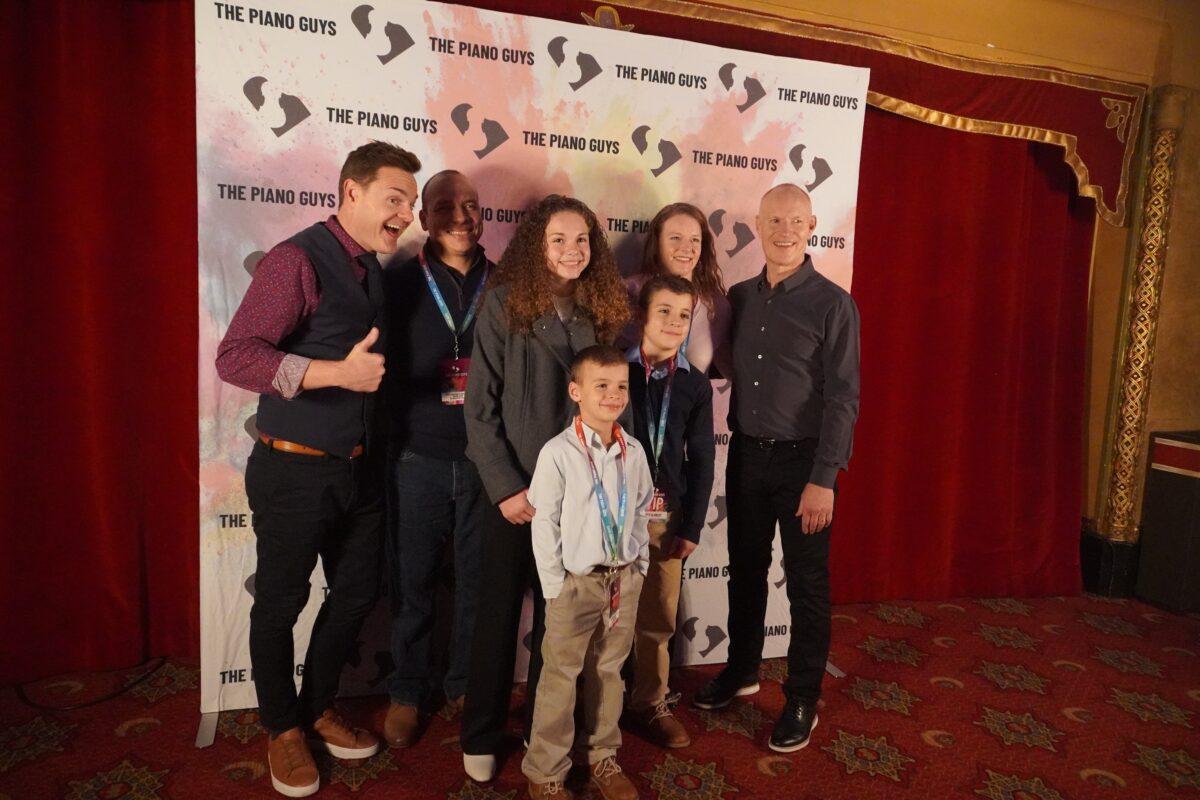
(517, 391)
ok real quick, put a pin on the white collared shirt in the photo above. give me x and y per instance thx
(567, 533)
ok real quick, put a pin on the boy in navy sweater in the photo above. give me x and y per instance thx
(673, 419)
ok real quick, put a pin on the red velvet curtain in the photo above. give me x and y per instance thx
(971, 274)
(98, 557)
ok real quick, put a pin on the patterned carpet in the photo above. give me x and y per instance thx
(1001, 699)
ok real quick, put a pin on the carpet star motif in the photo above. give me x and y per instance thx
(1012, 676)
(1010, 787)
(1012, 728)
(355, 774)
(1176, 768)
(242, 725)
(885, 696)
(774, 670)
(244, 771)
(743, 719)
(167, 680)
(1006, 605)
(679, 779)
(30, 741)
(895, 651)
(476, 791)
(900, 615)
(1115, 626)
(1147, 707)
(1128, 661)
(860, 753)
(125, 781)
(1000, 636)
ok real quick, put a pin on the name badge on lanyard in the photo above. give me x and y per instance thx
(452, 372)
(614, 529)
(658, 511)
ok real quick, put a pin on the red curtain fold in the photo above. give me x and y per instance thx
(971, 275)
(98, 558)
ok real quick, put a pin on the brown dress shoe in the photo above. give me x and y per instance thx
(293, 773)
(610, 780)
(553, 790)
(663, 729)
(333, 734)
(400, 727)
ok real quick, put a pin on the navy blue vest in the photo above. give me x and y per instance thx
(332, 419)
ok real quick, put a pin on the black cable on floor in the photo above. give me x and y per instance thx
(25, 698)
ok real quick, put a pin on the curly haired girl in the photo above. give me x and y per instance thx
(556, 291)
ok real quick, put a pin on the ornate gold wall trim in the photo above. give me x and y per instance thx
(781, 25)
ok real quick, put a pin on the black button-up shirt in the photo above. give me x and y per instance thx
(795, 364)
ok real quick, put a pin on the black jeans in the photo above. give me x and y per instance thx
(508, 570)
(764, 487)
(304, 507)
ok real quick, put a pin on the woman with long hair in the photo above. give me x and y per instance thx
(556, 291)
(680, 242)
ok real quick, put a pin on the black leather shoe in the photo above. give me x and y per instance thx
(795, 727)
(717, 694)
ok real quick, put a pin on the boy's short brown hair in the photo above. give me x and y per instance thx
(602, 355)
(659, 283)
(364, 162)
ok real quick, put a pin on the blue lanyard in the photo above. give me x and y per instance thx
(614, 530)
(441, 301)
(658, 435)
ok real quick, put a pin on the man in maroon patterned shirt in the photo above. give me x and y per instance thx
(309, 337)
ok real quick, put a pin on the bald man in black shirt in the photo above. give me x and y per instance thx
(795, 401)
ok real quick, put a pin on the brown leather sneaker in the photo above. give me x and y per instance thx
(333, 734)
(610, 780)
(661, 727)
(554, 790)
(293, 773)
(400, 727)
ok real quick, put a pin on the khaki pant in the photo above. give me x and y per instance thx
(577, 641)
(657, 608)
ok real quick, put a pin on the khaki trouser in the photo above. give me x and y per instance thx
(577, 641)
(657, 608)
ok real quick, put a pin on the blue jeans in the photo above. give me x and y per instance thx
(433, 502)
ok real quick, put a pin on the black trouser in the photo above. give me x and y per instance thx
(508, 570)
(763, 487)
(305, 507)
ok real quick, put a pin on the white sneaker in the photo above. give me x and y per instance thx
(480, 769)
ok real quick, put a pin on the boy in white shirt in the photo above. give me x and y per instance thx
(590, 490)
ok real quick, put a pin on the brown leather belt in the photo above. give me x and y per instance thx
(304, 450)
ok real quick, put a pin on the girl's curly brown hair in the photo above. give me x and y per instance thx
(598, 291)
(707, 274)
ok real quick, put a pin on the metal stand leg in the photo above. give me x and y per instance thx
(207, 732)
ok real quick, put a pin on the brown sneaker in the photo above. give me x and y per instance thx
(662, 728)
(553, 790)
(400, 727)
(333, 734)
(609, 779)
(293, 773)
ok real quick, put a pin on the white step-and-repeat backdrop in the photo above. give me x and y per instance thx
(523, 106)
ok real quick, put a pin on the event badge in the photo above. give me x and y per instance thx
(612, 613)
(657, 510)
(453, 377)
